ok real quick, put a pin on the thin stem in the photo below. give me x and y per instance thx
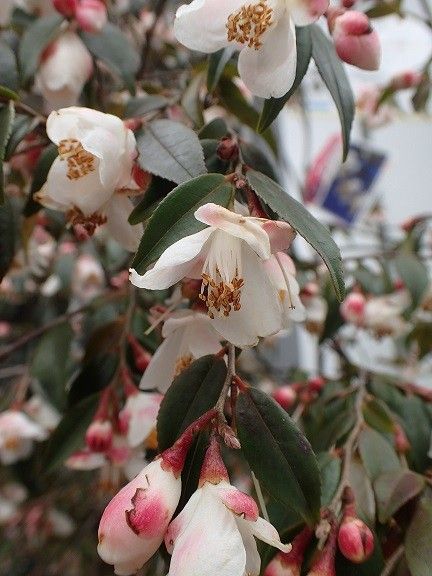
(220, 404)
(26, 109)
(260, 496)
(162, 317)
(393, 561)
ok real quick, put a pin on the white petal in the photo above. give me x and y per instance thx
(243, 227)
(201, 25)
(182, 520)
(117, 211)
(160, 372)
(267, 533)
(253, 559)
(305, 12)
(143, 409)
(270, 70)
(201, 338)
(260, 314)
(176, 263)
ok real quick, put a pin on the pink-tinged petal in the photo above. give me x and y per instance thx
(141, 411)
(242, 227)
(148, 514)
(182, 520)
(238, 502)
(253, 559)
(117, 211)
(201, 25)
(305, 12)
(177, 262)
(280, 234)
(85, 460)
(270, 70)
(356, 42)
(267, 533)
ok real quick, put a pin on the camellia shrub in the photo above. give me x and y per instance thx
(147, 270)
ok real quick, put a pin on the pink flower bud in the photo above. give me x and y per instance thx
(134, 523)
(348, 3)
(324, 562)
(290, 563)
(404, 80)
(355, 540)
(285, 396)
(99, 435)
(91, 15)
(353, 308)
(355, 40)
(141, 356)
(316, 384)
(227, 148)
(401, 441)
(66, 7)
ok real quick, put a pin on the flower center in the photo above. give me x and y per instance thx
(87, 223)
(248, 24)
(79, 161)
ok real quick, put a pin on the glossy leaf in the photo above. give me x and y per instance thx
(174, 217)
(191, 100)
(35, 39)
(393, 490)
(8, 67)
(418, 549)
(303, 222)
(170, 150)
(216, 64)
(21, 127)
(40, 175)
(158, 189)
(330, 471)
(377, 454)
(7, 115)
(378, 416)
(273, 106)
(94, 376)
(144, 104)
(215, 129)
(278, 453)
(334, 76)
(363, 491)
(413, 274)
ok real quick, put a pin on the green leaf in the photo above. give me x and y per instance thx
(9, 71)
(114, 48)
(414, 275)
(7, 237)
(378, 416)
(50, 364)
(259, 156)
(334, 76)
(377, 454)
(191, 100)
(278, 453)
(158, 189)
(95, 376)
(170, 150)
(69, 434)
(393, 490)
(21, 127)
(273, 106)
(35, 39)
(216, 129)
(7, 116)
(363, 491)
(40, 175)
(174, 218)
(418, 549)
(192, 393)
(303, 222)
(384, 8)
(216, 65)
(144, 104)
(211, 157)
(330, 471)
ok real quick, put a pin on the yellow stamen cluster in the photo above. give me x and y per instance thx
(79, 161)
(182, 363)
(248, 24)
(220, 297)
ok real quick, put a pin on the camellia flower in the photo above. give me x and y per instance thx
(138, 417)
(228, 255)
(90, 178)
(188, 336)
(17, 433)
(281, 270)
(65, 67)
(263, 31)
(216, 530)
(383, 314)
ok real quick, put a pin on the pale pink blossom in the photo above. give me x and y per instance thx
(138, 417)
(88, 278)
(66, 7)
(17, 434)
(91, 15)
(99, 435)
(353, 307)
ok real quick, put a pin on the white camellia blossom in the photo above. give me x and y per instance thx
(188, 336)
(281, 270)
(17, 434)
(91, 178)
(65, 67)
(242, 302)
(139, 415)
(263, 31)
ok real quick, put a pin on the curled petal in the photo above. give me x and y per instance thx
(280, 234)
(305, 12)
(267, 533)
(238, 502)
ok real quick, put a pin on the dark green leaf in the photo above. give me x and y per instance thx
(50, 364)
(330, 471)
(191, 100)
(114, 48)
(211, 157)
(363, 492)
(378, 416)
(377, 454)
(414, 275)
(8, 67)
(69, 434)
(273, 106)
(157, 190)
(144, 104)
(170, 150)
(303, 222)
(418, 549)
(174, 217)
(256, 155)
(7, 115)
(216, 64)
(192, 393)
(40, 175)
(35, 39)
(393, 490)
(7, 237)
(94, 376)
(216, 129)
(21, 127)
(334, 76)
(278, 453)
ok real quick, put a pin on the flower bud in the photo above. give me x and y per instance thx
(290, 563)
(353, 307)
(91, 15)
(99, 435)
(355, 40)
(141, 356)
(404, 80)
(66, 8)
(285, 396)
(348, 3)
(324, 562)
(316, 384)
(227, 148)
(355, 540)
(401, 441)
(141, 177)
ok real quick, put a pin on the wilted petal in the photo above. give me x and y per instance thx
(266, 532)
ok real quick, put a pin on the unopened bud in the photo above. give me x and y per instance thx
(404, 80)
(355, 40)
(401, 441)
(316, 384)
(290, 563)
(227, 149)
(141, 356)
(348, 3)
(91, 15)
(285, 396)
(66, 8)
(324, 562)
(355, 540)
(353, 307)
(99, 436)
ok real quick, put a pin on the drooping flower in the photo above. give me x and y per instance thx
(216, 530)
(228, 255)
(65, 67)
(90, 179)
(138, 417)
(263, 31)
(17, 434)
(188, 336)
